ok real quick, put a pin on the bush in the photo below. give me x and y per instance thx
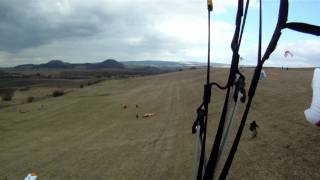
(30, 99)
(81, 85)
(7, 94)
(57, 93)
(24, 88)
(96, 81)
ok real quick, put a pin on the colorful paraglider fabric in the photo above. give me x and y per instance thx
(287, 54)
(313, 113)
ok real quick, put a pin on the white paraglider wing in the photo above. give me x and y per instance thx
(313, 113)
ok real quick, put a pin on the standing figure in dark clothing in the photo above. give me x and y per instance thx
(253, 128)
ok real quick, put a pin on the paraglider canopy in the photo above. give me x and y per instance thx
(288, 54)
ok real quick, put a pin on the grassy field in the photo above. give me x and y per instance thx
(86, 134)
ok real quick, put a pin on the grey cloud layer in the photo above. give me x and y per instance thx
(24, 25)
(79, 29)
(33, 31)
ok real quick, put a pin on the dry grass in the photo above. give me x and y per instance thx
(87, 134)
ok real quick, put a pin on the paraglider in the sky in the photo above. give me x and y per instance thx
(288, 54)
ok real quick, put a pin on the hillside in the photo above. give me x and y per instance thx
(159, 64)
(171, 64)
(58, 64)
(87, 134)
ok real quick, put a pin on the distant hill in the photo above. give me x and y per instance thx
(152, 63)
(110, 63)
(58, 64)
(25, 66)
(204, 64)
(113, 64)
(171, 64)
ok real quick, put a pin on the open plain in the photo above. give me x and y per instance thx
(87, 134)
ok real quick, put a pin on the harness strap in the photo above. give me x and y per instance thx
(211, 166)
(230, 119)
(282, 18)
(235, 45)
(304, 28)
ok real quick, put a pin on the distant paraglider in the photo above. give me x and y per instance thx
(288, 54)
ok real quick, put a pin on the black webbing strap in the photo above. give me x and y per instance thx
(304, 28)
(235, 45)
(282, 23)
(282, 18)
(209, 172)
(244, 21)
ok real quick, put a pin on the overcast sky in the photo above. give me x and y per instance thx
(36, 31)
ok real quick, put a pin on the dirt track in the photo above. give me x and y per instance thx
(87, 134)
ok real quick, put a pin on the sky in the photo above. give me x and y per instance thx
(37, 31)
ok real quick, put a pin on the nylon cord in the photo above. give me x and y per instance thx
(201, 162)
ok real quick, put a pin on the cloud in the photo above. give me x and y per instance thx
(39, 22)
(74, 30)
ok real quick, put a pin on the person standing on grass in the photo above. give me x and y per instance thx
(253, 128)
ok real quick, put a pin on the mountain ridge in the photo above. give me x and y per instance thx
(59, 64)
(114, 64)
